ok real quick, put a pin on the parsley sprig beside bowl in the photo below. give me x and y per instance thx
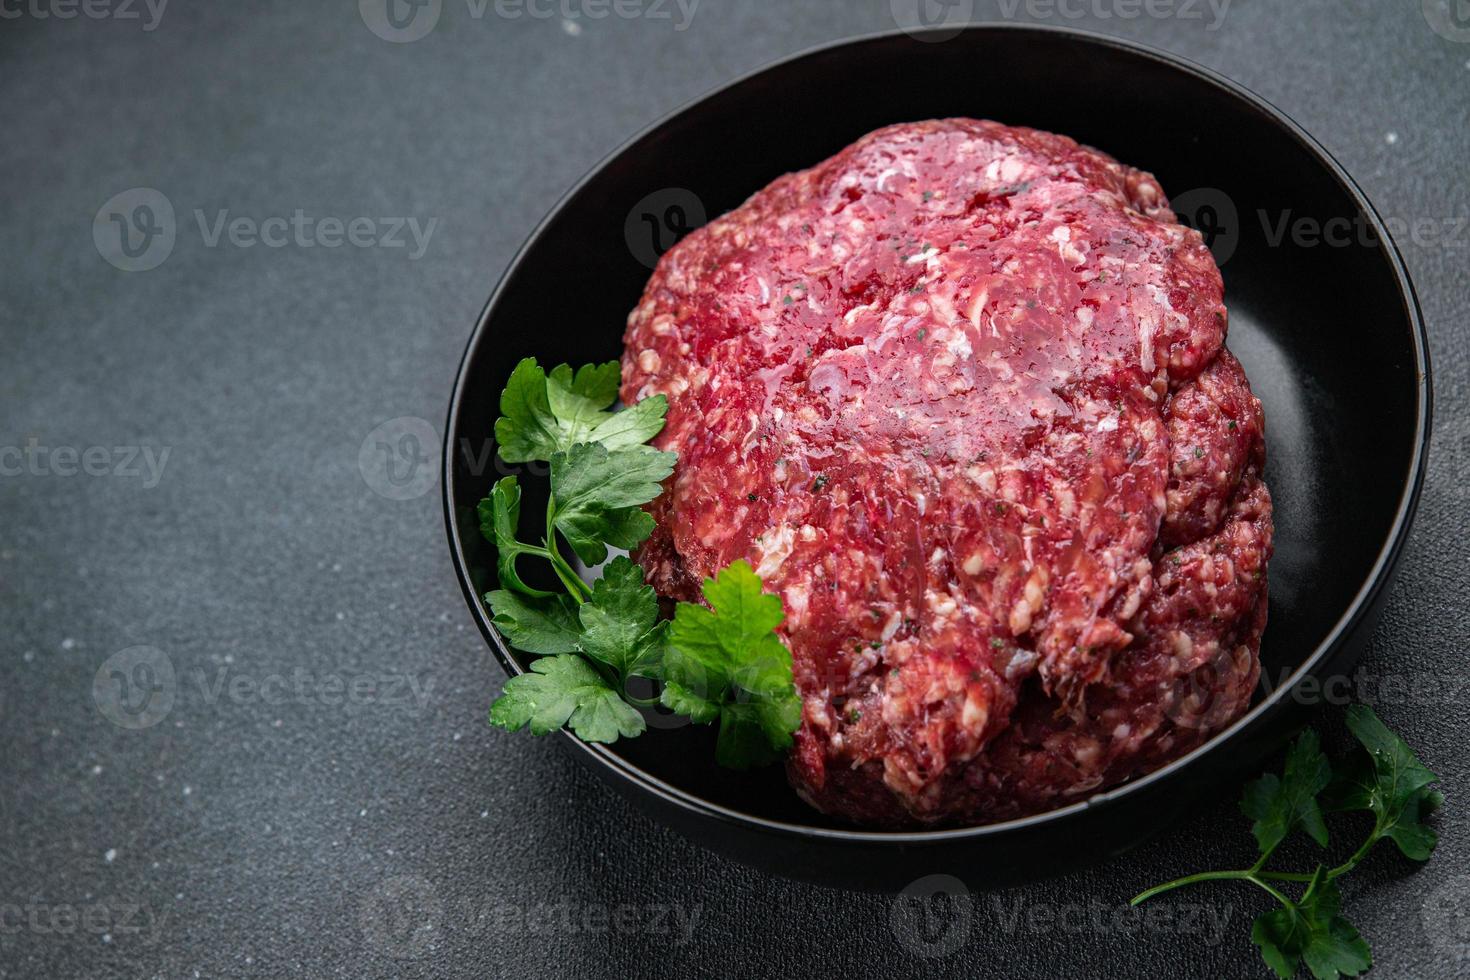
(1390, 783)
(723, 663)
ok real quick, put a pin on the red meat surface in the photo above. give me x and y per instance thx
(960, 395)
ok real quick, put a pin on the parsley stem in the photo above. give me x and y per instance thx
(1286, 902)
(1258, 876)
(1252, 875)
(564, 571)
(1358, 855)
(567, 574)
(568, 577)
(1341, 869)
(1188, 880)
(1283, 876)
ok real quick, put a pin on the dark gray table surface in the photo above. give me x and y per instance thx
(272, 823)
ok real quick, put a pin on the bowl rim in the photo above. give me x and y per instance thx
(1350, 618)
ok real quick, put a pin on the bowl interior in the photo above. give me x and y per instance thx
(1322, 328)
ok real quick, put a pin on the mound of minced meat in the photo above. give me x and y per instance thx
(960, 395)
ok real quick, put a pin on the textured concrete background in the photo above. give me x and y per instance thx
(313, 790)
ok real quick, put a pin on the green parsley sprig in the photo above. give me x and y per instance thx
(1389, 782)
(723, 663)
(726, 663)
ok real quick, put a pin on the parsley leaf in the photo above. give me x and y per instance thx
(596, 384)
(1311, 930)
(746, 729)
(590, 474)
(597, 493)
(579, 401)
(726, 662)
(632, 427)
(565, 690)
(588, 529)
(681, 694)
(1289, 802)
(1391, 783)
(537, 625)
(619, 624)
(526, 430)
(544, 414)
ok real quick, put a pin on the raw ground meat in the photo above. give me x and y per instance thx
(960, 395)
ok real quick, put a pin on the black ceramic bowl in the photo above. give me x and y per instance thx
(1330, 334)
